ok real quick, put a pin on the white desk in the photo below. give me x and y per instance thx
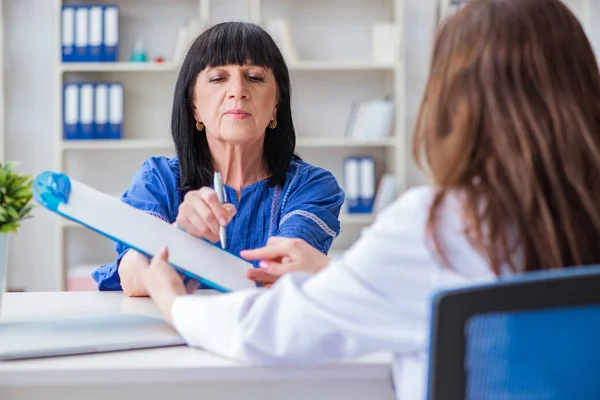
(169, 373)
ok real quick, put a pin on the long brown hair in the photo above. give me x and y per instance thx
(511, 121)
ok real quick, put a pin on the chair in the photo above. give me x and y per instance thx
(531, 336)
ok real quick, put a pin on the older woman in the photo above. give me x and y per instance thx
(232, 114)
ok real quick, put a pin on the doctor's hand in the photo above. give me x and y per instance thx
(201, 214)
(163, 283)
(131, 269)
(283, 255)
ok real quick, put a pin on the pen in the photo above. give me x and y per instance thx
(218, 183)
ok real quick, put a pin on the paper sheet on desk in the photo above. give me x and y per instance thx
(134, 228)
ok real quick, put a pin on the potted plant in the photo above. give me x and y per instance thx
(15, 206)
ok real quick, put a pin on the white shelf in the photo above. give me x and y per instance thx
(357, 219)
(345, 219)
(344, 142)
(348, 219)
(118, 67)
(160, 144)
(117, 144)
(338, 66)
(171, 67)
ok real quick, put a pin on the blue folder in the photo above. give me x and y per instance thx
(71, 121)
(68, 33)
(195, 258)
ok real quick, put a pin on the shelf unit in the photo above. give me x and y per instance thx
(333, 42)
(161, 144)
(171, 67)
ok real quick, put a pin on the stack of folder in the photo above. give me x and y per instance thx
(93, 110)
(90, 33)
(359, 179)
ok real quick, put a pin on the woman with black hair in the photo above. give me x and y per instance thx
(232, 114)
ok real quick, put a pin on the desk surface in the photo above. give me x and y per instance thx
(174, 364)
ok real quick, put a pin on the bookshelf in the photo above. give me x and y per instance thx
(334, 69)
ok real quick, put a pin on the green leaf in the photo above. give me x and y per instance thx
(15, 197)
(13, 213)
(22, 192)
(11, 227)
(10, 165)
(25, 211)
(2, 177)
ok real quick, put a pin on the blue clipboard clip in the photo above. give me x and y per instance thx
(51, 188)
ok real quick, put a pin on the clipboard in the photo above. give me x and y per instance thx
(110, 217)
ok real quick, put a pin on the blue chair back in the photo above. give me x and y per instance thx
(531, 336)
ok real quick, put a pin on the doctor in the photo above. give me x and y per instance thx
(510, 130)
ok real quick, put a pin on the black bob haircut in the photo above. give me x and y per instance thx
(230, 43)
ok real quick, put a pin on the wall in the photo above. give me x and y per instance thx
(29, 112)
(28, 126)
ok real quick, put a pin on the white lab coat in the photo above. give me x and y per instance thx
(376, 299)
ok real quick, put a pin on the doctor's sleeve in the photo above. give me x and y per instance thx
(375, 299)
(311, 209)
(147, 193)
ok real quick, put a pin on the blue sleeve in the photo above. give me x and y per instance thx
(311, 208)
(151, 191)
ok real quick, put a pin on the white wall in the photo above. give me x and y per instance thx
(29, 130)
(30, 102)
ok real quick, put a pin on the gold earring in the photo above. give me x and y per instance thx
(199, 125)
(273, 124)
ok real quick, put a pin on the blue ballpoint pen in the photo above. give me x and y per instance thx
(218, 183)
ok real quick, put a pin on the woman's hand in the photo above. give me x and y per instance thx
(201, 214)
(163, 284)
(283, 255)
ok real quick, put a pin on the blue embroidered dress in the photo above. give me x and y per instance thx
(306, 207)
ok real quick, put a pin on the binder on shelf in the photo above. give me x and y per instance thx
(189, 255)
(101, 128)
(386, 193)
(359, 184)
(367, 184)
(90, 33)
(351, 188)
(68, 33)
(115, 110)
(111, 33)
(86, 111)
(71, 111)
(370, 119)
(95, 34)
(82, 43)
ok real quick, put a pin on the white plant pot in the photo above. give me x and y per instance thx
(4, 238)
